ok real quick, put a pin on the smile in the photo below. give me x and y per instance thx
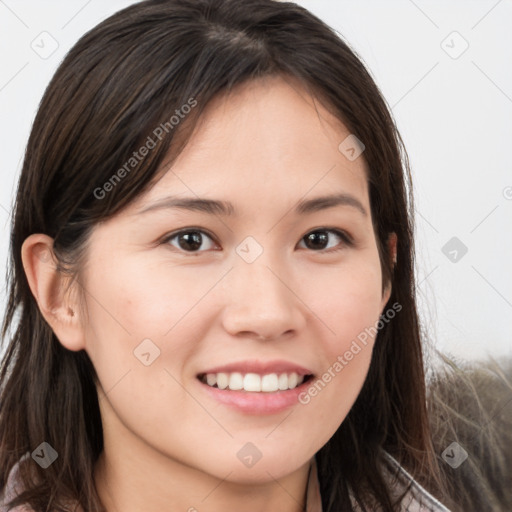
(253, 382)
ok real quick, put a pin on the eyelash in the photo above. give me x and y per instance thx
(345, 237)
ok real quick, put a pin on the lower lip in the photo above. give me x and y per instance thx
(250, 402)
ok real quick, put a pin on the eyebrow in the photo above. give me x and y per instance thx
(216, 207)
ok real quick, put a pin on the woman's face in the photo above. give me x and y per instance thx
(276, 272)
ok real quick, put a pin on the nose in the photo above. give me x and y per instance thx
(261, 302)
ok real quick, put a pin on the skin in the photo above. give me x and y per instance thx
(169, 446)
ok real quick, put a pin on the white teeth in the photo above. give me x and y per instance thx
(222, 380)
(236, 381)
(268, 383)
(293, 378)
(252, 382)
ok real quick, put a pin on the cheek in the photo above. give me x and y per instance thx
(134, 299)
(142, 314)
(347, 356)
(330, 397)
(348, 299)
(137, 314)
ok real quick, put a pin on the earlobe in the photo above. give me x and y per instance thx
(51, 291)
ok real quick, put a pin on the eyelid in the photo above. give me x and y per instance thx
(345, 235)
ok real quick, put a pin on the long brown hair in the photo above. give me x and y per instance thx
(120, 81)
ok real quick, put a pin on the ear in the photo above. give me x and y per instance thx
(52, 292)
(392, 245)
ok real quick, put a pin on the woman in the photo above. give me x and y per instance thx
(212, 260)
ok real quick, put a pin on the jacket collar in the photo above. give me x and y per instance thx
(416, 499)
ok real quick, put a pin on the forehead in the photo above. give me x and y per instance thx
(264, 140)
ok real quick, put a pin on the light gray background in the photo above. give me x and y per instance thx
(453, 109)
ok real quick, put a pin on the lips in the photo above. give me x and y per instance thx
(255, 387)
(259, 367)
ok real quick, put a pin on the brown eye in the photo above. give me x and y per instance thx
(191, 241)
(322, 239)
